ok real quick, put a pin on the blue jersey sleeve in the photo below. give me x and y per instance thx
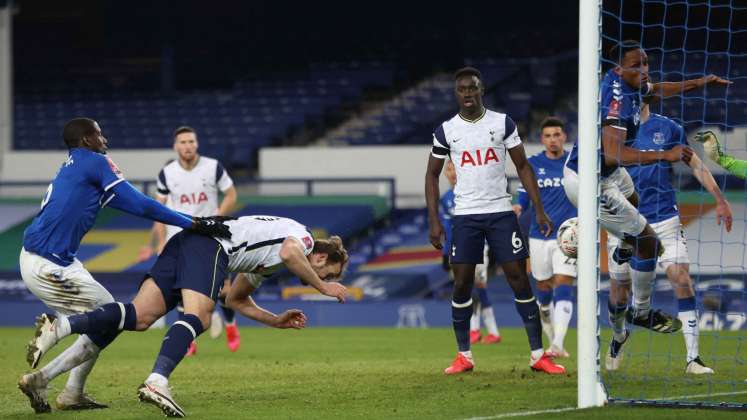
(679, 134)
(104, 172)
(123, 196)
(523, 199)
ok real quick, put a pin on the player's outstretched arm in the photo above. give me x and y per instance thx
(239, 299)
(704, 176)
(529, 181)
(616, 153)
(292, 254)
(435, 228)
(126, 198)
(713, 150)
(667, 89)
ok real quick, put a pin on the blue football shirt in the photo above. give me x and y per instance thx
(70, 206)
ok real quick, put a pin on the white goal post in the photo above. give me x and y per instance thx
(590, 390)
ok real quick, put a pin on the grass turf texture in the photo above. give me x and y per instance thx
(365, 373)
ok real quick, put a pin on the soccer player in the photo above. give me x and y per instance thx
(476, 140)
(483, 307)
(191, 270)
(190, 184)
(623, 89)
(553, 271)
(658, 204)
(87, 181)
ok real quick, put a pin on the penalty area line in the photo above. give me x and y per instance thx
(524, 413)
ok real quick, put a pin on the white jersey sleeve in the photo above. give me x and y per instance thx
(162, 188)
(222, 179)
(511, 134)
(440, 145)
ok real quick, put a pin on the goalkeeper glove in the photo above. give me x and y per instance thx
(212, 226)
(711, 145)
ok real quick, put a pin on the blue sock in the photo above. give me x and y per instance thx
(176, 342)
(562, 292)
(544, 297)
(105, 319)
(229, 315)
(461, 312)
(527, 307)
(686, 304)
(482, 294)
(102, 340)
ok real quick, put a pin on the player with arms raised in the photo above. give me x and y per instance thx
(553, 270)
(477, 141)
(87, 181)
(622, 92)
(190, 270)
(659, 206)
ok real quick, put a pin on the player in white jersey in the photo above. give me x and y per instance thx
(190, 269)
(477, 140)
(190, 184)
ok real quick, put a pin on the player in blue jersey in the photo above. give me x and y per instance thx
(658, 204)
(553, 271)
(87, 181)
(483, 308)
(622, 92)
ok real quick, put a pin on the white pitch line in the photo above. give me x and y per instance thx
(718, 394)
(524, 413)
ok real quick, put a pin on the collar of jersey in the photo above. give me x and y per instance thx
(484, 111)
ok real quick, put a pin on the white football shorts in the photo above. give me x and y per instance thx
(546, 259)
(67, 290)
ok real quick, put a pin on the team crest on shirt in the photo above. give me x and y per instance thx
(659, 138)
(114, 167)
(614, 109)
(307, 242)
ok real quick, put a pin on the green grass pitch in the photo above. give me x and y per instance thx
(379, 373)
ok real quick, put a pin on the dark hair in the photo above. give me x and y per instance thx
(467, 71)
(335, 250)
(184, 129)
(618, 51)
(552, 122)
(76, 129)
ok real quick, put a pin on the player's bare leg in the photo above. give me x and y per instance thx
(526, 305)
(562, 312)
(461, 311)
(155, 389)
(682, 283)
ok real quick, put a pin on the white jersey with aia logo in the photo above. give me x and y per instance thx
(193, 192)
(255, 243)
(478, 150)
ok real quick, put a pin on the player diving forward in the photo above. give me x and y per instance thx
(553, 271)
(483, 307)
(191, 270)
(477, 141)
(87, 181)
(622, 91)
(658, 205)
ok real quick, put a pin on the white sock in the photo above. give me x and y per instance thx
(158, 379)
(690, 332)
(81, 350)
(467, 354)
(643, 284)
(537, 354)
(561, 317)
(77, 379)
(489, 318)
(474, 321)
(62, 327)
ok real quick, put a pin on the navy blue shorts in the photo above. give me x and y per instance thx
(501, 230)
(190, 261)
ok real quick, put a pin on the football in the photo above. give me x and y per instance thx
(568, 237)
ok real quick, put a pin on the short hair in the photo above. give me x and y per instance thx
(184, 129)
(467, 71)
(618, 51)
(552, 121)
(333, 247)
(76, 129)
